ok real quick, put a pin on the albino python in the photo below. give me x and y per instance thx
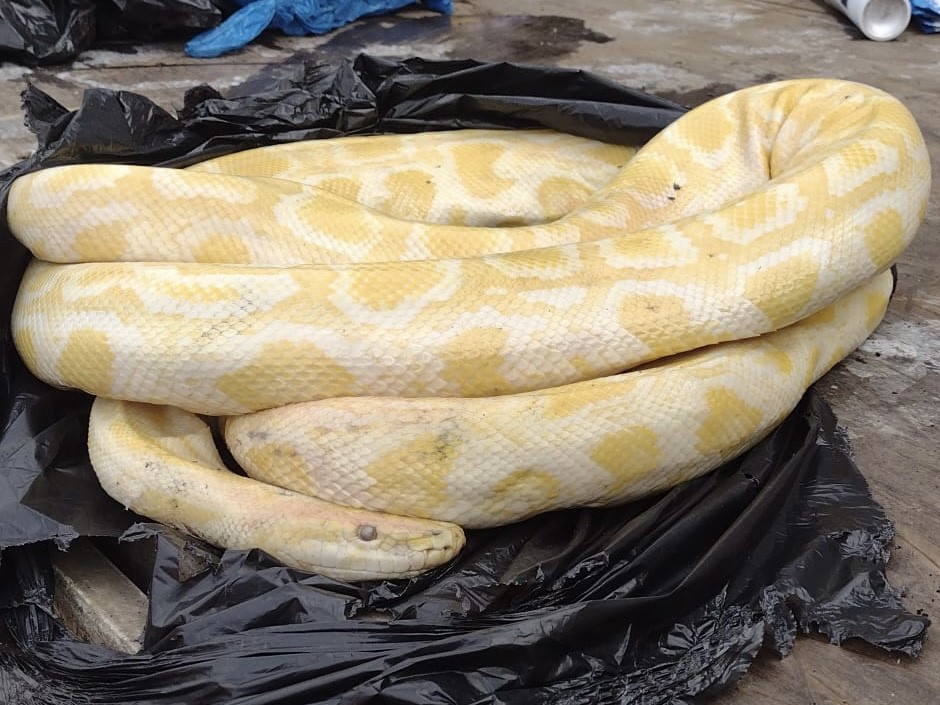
(410, 334)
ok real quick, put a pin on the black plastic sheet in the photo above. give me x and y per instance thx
(55, 31)
(661, 601)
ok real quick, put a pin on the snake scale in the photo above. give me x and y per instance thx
(410, 334)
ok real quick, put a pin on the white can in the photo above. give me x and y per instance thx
(881, 20)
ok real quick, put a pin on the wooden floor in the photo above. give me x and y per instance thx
(887, 395)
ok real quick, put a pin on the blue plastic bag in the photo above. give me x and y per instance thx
(292, 17)
(926, 14)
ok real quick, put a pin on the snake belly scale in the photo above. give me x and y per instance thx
(407, 333)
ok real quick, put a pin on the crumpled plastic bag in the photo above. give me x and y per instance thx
(926, 14)
(292, 17)
(45, 31)
(665, 600)
(54, 31)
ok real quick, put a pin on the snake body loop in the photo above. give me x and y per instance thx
(440, 325)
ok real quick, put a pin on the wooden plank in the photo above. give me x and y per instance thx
(95, 600)
(135, 558)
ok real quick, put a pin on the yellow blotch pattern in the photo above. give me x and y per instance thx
(482, 374)
(87, 356)
(456, 215)
(365, 293)
(336, 216)
(573, 398)
(730, 419)
(755, 221)
(546, 263)
(413, 194)
(25, 341)
(876, 304)
(394, 472)
(641, 246)
(881, 236)
(559, 195)
(342, 186)
(875, 307)
(614, 154)
(94, 184)
(222, 248)
(628, 455)
(712, 135)
(824, 315)
(105, 242)
(392, 235)
(669, 313)
(187, 283)
(125, 303)
(369, 148)
(479, 180)
(259, 162)
(783, 290)
(527, 487)
(271, 462)
(286, 370)
(776, 358)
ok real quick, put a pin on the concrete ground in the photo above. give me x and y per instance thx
(887, 394)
